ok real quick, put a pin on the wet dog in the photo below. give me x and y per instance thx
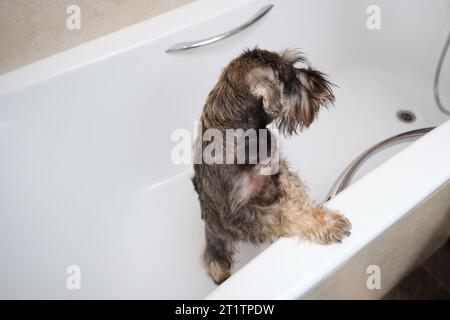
(238, 202)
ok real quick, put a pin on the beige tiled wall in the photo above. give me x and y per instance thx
(34, 29)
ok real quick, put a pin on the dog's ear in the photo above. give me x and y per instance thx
(303, 96)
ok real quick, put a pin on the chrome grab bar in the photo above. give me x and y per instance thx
(346, 176)
(203, 42)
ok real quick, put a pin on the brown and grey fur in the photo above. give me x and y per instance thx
(237, 202)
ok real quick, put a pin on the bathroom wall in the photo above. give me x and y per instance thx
(34, 29)
(422, 230)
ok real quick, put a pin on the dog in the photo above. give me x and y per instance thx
(238, 203)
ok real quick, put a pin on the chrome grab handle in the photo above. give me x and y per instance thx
(346, 176)
(203, 42)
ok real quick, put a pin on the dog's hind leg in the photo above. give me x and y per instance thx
(218, 256)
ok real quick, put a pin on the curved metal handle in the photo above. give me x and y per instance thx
(346, 176)
(203, 42)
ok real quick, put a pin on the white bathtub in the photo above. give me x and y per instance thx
(86, 176)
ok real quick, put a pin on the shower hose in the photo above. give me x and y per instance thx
(437, 99)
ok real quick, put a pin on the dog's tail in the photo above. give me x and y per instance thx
(291, 95)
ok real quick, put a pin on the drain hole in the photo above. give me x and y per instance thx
(406, 116)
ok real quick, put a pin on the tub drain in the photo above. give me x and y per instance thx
(406, 116)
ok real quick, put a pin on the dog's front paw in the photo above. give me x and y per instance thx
(335, 228)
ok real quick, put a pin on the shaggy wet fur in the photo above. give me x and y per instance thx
(237, 202)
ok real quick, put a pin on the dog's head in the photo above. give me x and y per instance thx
(261, 86)
(292, 96)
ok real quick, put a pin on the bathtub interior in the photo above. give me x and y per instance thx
(86, 176)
